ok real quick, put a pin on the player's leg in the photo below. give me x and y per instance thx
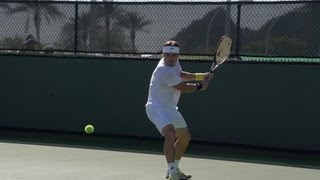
(169, 135)
(182, 135)
(161, 118)
(171, 145)
(182, 142)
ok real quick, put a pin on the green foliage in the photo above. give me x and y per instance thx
(254, 48)
(12, 43)
(279, 46)
(285, 46)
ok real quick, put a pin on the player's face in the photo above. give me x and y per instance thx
(170, 58)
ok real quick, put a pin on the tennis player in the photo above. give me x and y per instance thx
(168, 81)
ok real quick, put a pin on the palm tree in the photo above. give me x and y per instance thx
(83, 31)
(66, 39)
(133, 22)
(38, 11)
(109, 12)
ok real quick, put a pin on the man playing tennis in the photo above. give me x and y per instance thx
(168, 81)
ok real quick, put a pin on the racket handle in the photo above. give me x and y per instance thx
(212, 69)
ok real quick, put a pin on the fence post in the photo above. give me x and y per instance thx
(238, 29)
(76, 28)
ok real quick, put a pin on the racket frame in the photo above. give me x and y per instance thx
(215, 64)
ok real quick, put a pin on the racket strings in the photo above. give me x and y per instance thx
(222, 53)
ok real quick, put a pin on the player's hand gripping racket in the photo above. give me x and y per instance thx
(222, 52)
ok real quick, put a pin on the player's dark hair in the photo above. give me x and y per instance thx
(171, 43)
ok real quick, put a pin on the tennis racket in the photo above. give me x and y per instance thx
(222, 52)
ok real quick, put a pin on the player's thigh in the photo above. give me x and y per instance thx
(162, 116)
(177, 118)
(159, 117)
(174, 116)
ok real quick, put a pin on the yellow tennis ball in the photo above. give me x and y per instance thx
(89, 129)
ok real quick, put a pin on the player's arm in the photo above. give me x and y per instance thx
(191, 87)
(187, 76)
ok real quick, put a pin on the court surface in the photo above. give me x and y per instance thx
(25, 158)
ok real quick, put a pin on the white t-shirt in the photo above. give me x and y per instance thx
(161, 90)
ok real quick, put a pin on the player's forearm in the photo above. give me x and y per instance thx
(189, 87)
(187, 76)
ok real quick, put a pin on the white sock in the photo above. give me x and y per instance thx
(176, 162)
(172, 168)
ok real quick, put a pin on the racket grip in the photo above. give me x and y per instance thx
(212, 69)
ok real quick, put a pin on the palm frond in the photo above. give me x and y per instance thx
(54, 12)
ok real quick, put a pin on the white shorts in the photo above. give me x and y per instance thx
(162, 116)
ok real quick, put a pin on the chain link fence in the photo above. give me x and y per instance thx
(261, 29)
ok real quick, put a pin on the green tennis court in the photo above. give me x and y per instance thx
(34, 155)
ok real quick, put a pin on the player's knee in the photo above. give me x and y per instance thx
(183, 135)
(169, 133)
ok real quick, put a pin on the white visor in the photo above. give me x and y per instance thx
(171, 49)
